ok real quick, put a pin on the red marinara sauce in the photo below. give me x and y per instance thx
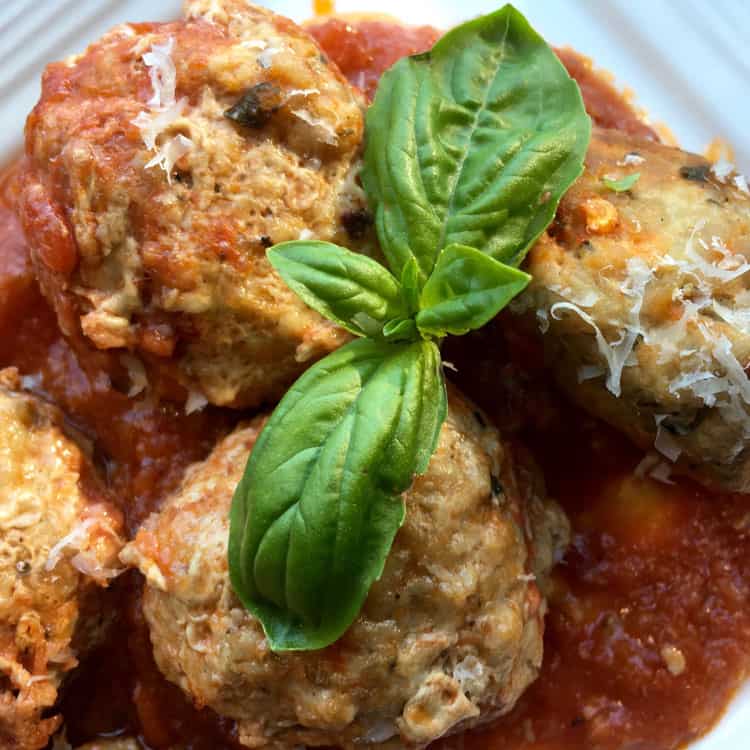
(648, 632)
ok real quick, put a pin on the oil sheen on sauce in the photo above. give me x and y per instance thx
(648, 632)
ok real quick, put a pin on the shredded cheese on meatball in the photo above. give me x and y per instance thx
(710, 370)
(723, 169)
(665, 442)
(162, 73)
(618, 353)
(164, 110)
(81, 539)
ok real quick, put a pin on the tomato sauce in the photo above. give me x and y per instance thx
(364, 49)
(648, 632)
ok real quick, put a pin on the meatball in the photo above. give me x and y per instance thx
(643, 299)
(162, 163)
(448, 638)
(59, 541)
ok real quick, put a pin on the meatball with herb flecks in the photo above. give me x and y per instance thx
(448, 638)
(59, 540)
(641, 288)
(161, 164)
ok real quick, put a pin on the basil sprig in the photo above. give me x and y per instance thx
(469, 149)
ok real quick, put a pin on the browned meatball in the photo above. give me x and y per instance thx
(59, 541)
(162, 162)
(643, 298)
(449, 637)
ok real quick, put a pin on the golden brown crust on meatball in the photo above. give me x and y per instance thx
(59, 541)
(163, 162)
(449, 637)
(643, 297)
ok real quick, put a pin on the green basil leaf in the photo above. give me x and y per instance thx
(315, 514)
(473, 143)
(623, 184)
(466, 290)
(400, 329)
(410, 285)
(348, 288)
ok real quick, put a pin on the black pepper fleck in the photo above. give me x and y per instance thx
(266, 241)
(497, 487)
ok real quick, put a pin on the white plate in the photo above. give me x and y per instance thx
(687, 59)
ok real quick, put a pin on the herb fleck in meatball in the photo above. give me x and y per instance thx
(162, 163)
(59, 541)
(449, 637)
(643, 297)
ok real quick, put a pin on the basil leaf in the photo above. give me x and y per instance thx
(410, 285)
(474, 143)
(348, 288)
(466, 290)
(314, 516)
(623, 184)
(400, 329)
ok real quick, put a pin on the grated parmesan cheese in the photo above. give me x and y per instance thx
(300, 92)
(631, 160)
(162, 73)
(79, 539)
(618, 354)
(735, 373)
(265, 58)
(729, 268)
(195, 401)
(653, 467)
(328, 132)
(164, 110)
(722, 169)
(170, 153)
(136, 374)
(588, 299)
(152, 124)
(738, 318)
(665, 442)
